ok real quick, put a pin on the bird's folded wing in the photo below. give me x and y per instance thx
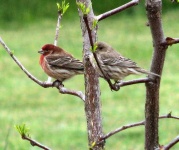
(65, 62)
(119, 61)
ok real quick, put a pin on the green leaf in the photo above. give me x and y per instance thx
(84, 9)
(94, 48)
(62, 8)
(22, 129)
(95, 22)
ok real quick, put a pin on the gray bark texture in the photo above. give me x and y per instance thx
(92, 90)
(154, 8)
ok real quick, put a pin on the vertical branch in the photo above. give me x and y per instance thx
(154, 8)
(92, 91)
(57, 28)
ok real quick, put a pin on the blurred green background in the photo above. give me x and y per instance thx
(57, 120)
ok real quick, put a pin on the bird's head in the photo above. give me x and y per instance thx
(103, 47)
(49, 49)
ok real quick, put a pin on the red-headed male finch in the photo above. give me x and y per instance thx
(114, 65)
(59, 64)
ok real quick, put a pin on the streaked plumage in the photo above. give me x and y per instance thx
(114, 65)
(59, 64)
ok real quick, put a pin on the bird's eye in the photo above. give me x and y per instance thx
(100, 47)
(46, 50)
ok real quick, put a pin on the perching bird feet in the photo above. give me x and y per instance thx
(57, 83)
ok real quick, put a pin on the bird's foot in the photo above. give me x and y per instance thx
(57, 83)
(117, 85)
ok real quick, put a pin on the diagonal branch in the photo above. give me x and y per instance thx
(171, 144)
(134, 125)
(43, 84)
(117, 10)
(35, 143)
(113, 87)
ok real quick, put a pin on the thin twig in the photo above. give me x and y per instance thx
(171, 144)
(134, 125)
(137, 81)
(35, 143)
(79, 94)
(57, 28)
(43, 84)
(170, 41)
(95, 56)
(56, 35)
(117, 10)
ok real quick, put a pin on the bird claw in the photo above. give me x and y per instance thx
(115, 87)
(57, 83)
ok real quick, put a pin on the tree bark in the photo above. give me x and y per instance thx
(154, 8)
(92, 90)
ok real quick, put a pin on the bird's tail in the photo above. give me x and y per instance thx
(148, 72)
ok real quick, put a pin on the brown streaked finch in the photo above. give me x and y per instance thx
(59, 64)
(114, 65)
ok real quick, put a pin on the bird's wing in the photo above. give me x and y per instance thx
(65, 62)
(118, 60)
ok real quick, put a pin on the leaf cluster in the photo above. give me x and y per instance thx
(62, 8)
(85, 10)
(23, 130)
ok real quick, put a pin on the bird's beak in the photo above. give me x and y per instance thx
(41, 52)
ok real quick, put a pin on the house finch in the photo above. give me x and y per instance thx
(114, 65)
(59, 64)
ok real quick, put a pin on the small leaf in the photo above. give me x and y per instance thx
(22, 129)
(95, 22)
(95, 47)
(58, 6)
(93, 144)
(63, 7)
(85, 10)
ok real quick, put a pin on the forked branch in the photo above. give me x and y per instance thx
(62, 90)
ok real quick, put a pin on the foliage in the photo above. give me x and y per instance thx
(63, 7)
(84, 9)
(23, 130)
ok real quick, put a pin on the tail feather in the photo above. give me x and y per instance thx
(148, 72)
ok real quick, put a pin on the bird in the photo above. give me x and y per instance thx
(59, 64)
(114, 65)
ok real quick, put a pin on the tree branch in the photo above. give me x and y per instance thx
(56, 35)
(92, 88)
(154, 15)
(134, 125)
(170, 41)
(117, 10)
(35, 143)
(126, 83)
(57, 28)
(62, 90)
(171, 144)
